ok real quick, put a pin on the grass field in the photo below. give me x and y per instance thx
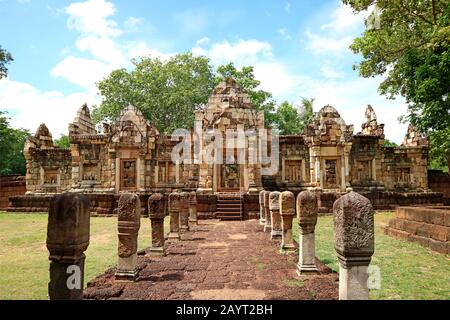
(408, 271)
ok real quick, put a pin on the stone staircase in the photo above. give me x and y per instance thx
(229, 206)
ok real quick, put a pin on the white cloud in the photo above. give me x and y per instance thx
(203, 41)
(140, 49)
(82, 72)
(132, 23)
(344, 19)
(91, 17)
(103, 48)
(30, 107)
(328, 44)
(284, 33)
(330, 72)
(242, 52)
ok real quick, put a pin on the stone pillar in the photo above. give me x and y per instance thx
(307, 219)
(184, 212)
(262, 216)
(157, 211)
(354, 244)
(174, 212)
(67, 239)
(268, 222)
(274, 207)
(193, 208)
(287, 212)
(129, 222)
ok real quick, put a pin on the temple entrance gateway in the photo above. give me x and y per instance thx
(331, 176)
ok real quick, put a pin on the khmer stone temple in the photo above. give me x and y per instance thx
(227, 158)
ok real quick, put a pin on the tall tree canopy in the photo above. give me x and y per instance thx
(167, 92)
(62, 142)
(5, 58)
(408, 41)
(261, 100)
(290, 119)
(11, 147)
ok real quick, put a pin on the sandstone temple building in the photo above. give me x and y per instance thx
(228, 157)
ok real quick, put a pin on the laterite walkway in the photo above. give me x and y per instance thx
(219, 260)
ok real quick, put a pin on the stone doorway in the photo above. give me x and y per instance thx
(331, 177)
(230, 177)
(128, 174)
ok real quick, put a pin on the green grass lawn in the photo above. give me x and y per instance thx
(24, 264)
(408, 271)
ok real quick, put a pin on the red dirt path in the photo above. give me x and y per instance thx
(229, 260)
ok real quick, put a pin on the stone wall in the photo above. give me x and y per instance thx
(439, 181)
(13, 185)
(429, 226)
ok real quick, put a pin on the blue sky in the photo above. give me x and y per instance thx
(298, 49)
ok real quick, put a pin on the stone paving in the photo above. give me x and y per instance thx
(228, 260)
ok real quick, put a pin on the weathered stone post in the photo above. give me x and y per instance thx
(354, 244)
(268, 221)
(287, 212)
(67, 239)
(174, 212)
(307, 219)
(157, 212)
(184, 212)
(129, 222)
(262, 216)
(193, 208)
(274, 207)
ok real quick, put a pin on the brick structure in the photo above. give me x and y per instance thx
(10, 186)
(429, 226)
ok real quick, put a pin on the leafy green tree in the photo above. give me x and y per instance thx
(389, 144)
(167, 92)
(5, 58)
(261, 100)
(292, 120)
(408, 42)
(11, 147)
(62, 142)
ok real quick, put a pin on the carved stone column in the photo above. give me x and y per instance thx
(193, 208)
(174, 212)
(268, 222)
(274, 207)
(129, 222)
(157, 211)
(262, 216)
(184, 212)
(287, 212)
(354, 244)
(307, 219)
(67, 239)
